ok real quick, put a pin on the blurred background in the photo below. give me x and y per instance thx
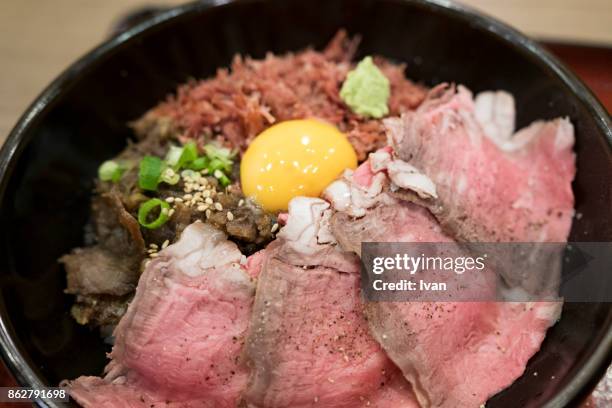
(39, 39)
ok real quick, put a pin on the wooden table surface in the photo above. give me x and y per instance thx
(592, 64)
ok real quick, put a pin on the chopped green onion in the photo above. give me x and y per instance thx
(179, 157)
(217, 164)
(147, 207)
(149, 173)
(110, 171)
(190, 153)
(223, 179)
(220, 154)
(200, 163)
(174, 156)
(170, 176)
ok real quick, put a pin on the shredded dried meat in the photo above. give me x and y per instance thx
(237, 104)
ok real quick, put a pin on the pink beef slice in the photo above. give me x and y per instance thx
(180, 341)
(460, 354)
(489, 190)
(309, 344)
(455, 354)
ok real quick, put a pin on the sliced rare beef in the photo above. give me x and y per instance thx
(179, 343)
(455, 354)
(492, 185)
(309, 344)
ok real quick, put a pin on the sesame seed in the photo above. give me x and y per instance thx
(218, 206)
(204, 172)
(171, 212)
(218, 174)
(187, 197)
(230, 216)
(169, 199)
(164, 211)
(202, 207)
(240, 203)
(154, 255)
(274, 227)
(153, 246)
(208, 213)
(206, 193)
(165, 244)
(178, 200)
(208, 201)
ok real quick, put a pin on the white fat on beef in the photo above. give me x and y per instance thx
(199, 251)
(495, 112)
(357, 191)
(353, 197)
(563, 139)
(402, 174)
(307, 224)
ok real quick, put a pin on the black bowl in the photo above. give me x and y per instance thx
(50, 158)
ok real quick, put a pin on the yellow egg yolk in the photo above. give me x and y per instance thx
(294, 158)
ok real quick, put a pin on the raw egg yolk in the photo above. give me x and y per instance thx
(294, 158)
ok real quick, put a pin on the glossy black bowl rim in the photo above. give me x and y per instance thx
(573, 391)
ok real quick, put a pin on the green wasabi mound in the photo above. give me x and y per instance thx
(366, 90)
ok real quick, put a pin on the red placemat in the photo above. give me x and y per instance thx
(591, 64)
